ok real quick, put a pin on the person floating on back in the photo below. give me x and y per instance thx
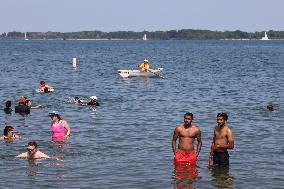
(77, 100)
(223, 139)
(84, 102)
(9, 133)
(93, 101)
(186, 132)
(44, 88)
(144, 67)
(32, 152)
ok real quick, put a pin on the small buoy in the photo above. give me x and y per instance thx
(74, 63)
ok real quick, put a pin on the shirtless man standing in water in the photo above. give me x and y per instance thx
(223, 139)
(186, 132)
(32, 152)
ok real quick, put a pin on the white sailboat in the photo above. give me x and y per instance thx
(26, 36)
(144, 37)
(265, 37)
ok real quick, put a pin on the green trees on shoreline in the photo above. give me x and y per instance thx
(184, 34)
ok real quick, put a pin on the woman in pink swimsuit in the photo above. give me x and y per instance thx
(59, 128)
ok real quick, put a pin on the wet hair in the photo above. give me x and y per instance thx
(223, 115)
(32, 143)
(27, 102)
(8, 104)
(188, 114)
(45, 89)
(76, 98)
(58, 116)
(270, 107)
(42, 83)
(7, 129)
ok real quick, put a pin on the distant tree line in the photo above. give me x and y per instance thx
(184, 34)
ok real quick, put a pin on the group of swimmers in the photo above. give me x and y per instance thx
(223, 138)
(60, 129)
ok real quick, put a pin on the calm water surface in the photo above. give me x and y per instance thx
(126, 142)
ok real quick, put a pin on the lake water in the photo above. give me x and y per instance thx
(126, 142)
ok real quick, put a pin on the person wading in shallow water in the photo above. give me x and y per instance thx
(223, 139)
(186, 132)
(32, 152)
(60, 129)
(9, 133)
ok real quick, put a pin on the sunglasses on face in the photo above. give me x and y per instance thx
(30, 149)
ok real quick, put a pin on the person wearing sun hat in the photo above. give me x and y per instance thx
(93, 101)
(60, 129)
(145, 66)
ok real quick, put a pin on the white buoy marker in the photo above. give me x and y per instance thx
(74, 63)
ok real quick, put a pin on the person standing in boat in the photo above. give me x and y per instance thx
(144, 67)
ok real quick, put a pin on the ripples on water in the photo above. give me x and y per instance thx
(126, 142)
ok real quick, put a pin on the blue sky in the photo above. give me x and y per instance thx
(134, 15)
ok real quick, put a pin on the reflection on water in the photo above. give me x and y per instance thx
(221, 177)
(184, 175)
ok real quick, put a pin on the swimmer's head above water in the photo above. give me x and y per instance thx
(270, 108)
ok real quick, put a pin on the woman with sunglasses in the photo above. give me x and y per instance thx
(32, 152)
(60, 128)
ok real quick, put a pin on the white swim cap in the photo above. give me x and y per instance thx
(145, 60)
(93, 97)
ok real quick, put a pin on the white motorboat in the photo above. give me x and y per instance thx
(138, 73)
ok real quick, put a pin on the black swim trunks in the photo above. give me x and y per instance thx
(221, 158)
